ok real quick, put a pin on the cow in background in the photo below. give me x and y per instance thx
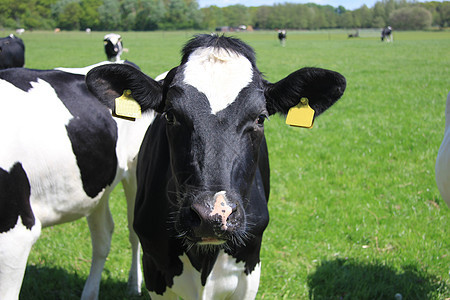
(442, 167)
(12, 52)
(282, 37)
(386, 34)
(113, 49)
(113, 46)
(62, 156)
(203, 167)
(354, 35)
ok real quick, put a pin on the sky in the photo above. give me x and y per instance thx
(348, 4)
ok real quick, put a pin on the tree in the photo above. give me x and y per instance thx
(445, 14)
(181, 14)
(379, 14)
(414, 18)
(346, 20)
(213, 17)
(148, 14)
(340, 10)
(70, 16)
(364, 16)
(90, 16)
(443, 10)
(109, 15)
(236, 15)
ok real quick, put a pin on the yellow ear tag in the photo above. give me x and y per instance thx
(301, 115)
(126, 107)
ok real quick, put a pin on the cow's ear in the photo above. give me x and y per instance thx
(321, 87)
(108, 82)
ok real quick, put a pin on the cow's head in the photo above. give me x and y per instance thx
(215, 104)
(113, 46)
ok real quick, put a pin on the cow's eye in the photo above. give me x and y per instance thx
(260, 120)
(170, 118)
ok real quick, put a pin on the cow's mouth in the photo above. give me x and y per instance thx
(210, 241)
(206, 240)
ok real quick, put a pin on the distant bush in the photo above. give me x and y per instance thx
(412, 18)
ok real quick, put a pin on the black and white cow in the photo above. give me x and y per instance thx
(12, 52)
(203, 168)
(62, 154)
(113, 46)
(386, 34)
(114, 49)
(282, 37)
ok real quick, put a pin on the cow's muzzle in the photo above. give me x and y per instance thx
(213, 220)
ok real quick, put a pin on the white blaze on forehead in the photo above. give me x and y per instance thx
(221, 208)
(113, 37)
(219, 74)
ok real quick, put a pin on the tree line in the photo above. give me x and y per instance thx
(140, 15)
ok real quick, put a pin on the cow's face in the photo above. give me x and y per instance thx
(113, 46)
(215, 110)
(215, 104)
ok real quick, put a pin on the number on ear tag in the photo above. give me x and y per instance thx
(126, 107)
(301, 115)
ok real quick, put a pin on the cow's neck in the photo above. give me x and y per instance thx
(203, 262)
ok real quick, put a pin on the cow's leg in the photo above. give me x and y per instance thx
(135, 275)
(101, 226)
(15, 246)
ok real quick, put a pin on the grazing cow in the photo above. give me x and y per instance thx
(442, 167)
(12, 52)
(203, 168)
(386, 34)
(282, 37)
(113, 46)
(62, 155)
(354, 35)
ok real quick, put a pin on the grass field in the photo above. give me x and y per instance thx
(355, 211)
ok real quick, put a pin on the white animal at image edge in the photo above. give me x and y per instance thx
(442, 167)
(56, 182)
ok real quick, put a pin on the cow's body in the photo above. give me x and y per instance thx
(386, 34)
(66, 154)
(203, 168)
(442, 167)
(12, 52)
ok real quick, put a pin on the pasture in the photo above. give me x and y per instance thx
(355, 211)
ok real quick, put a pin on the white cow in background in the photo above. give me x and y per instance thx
(443, 159)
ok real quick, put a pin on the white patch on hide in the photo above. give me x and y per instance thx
(219, 74)
(37, 138)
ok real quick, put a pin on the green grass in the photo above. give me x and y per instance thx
(355, 211)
